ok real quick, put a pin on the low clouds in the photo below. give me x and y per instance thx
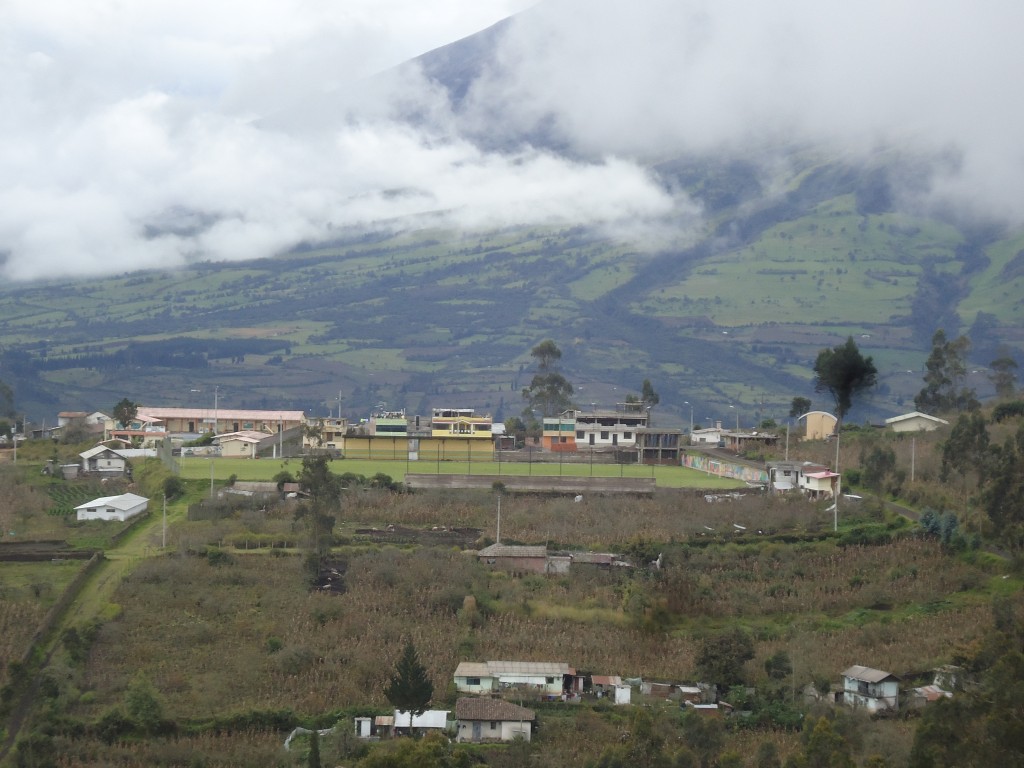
(160, 134)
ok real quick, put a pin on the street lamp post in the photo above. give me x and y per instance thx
(687, 402)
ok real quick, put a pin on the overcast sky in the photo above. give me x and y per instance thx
(155, 132)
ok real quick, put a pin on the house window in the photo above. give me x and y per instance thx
(579, 434)
(472, 681)
(561, 440)
(494, 725)
(604, 435)
(627, 435)
(549, 680)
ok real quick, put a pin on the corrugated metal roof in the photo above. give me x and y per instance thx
(97, 451)
(538, 668)
(606, 680)
(491, 709)
(867, 674)
(596, 558)
(472, 669)
(222, 414)
(513, 550)
(124, 501)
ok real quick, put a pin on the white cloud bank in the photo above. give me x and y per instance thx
(137, 134)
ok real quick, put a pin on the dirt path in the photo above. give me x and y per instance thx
(94, 595)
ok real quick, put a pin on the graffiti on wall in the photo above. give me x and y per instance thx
(714, 465)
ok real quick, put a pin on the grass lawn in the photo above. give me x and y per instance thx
(197, 468)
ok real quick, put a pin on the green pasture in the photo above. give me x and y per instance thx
(198, 468)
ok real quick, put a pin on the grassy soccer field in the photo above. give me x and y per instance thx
(220, 469)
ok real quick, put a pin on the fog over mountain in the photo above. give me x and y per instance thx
(154, 137)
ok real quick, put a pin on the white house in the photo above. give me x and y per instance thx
(121, 508)
(608, 428)
(103, 459)
(871, 689)
(544, 677)
(481, 719)
(708, 436)
(915, 421)
(820, 485)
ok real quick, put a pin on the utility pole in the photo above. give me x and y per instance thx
(835, 506)
(163, 545)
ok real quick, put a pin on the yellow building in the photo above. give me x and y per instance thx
(460, 422)
(818, 425)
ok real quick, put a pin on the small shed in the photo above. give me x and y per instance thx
(364, 727)
(120, 508)
(481, 719)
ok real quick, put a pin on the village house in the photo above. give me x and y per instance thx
(246, 444)
(915, 421)
(708, 436)
(120, 508)
(815, 480)
(104, 461)
(823, 484)
(559, 433)
(480, 719)
(597, 429)
(541, 677)
(871, 689)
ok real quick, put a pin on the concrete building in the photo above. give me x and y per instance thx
(120, 508)
(481, 719)
(915, 422)
(818, 425)
(541, 677)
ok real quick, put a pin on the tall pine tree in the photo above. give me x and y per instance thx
(410, 689)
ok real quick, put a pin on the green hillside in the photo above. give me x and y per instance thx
(733, 318)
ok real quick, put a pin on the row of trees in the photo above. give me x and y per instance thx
(844, 373)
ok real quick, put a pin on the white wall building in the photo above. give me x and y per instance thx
(120, 508)
(481, 719)
(915, 421)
